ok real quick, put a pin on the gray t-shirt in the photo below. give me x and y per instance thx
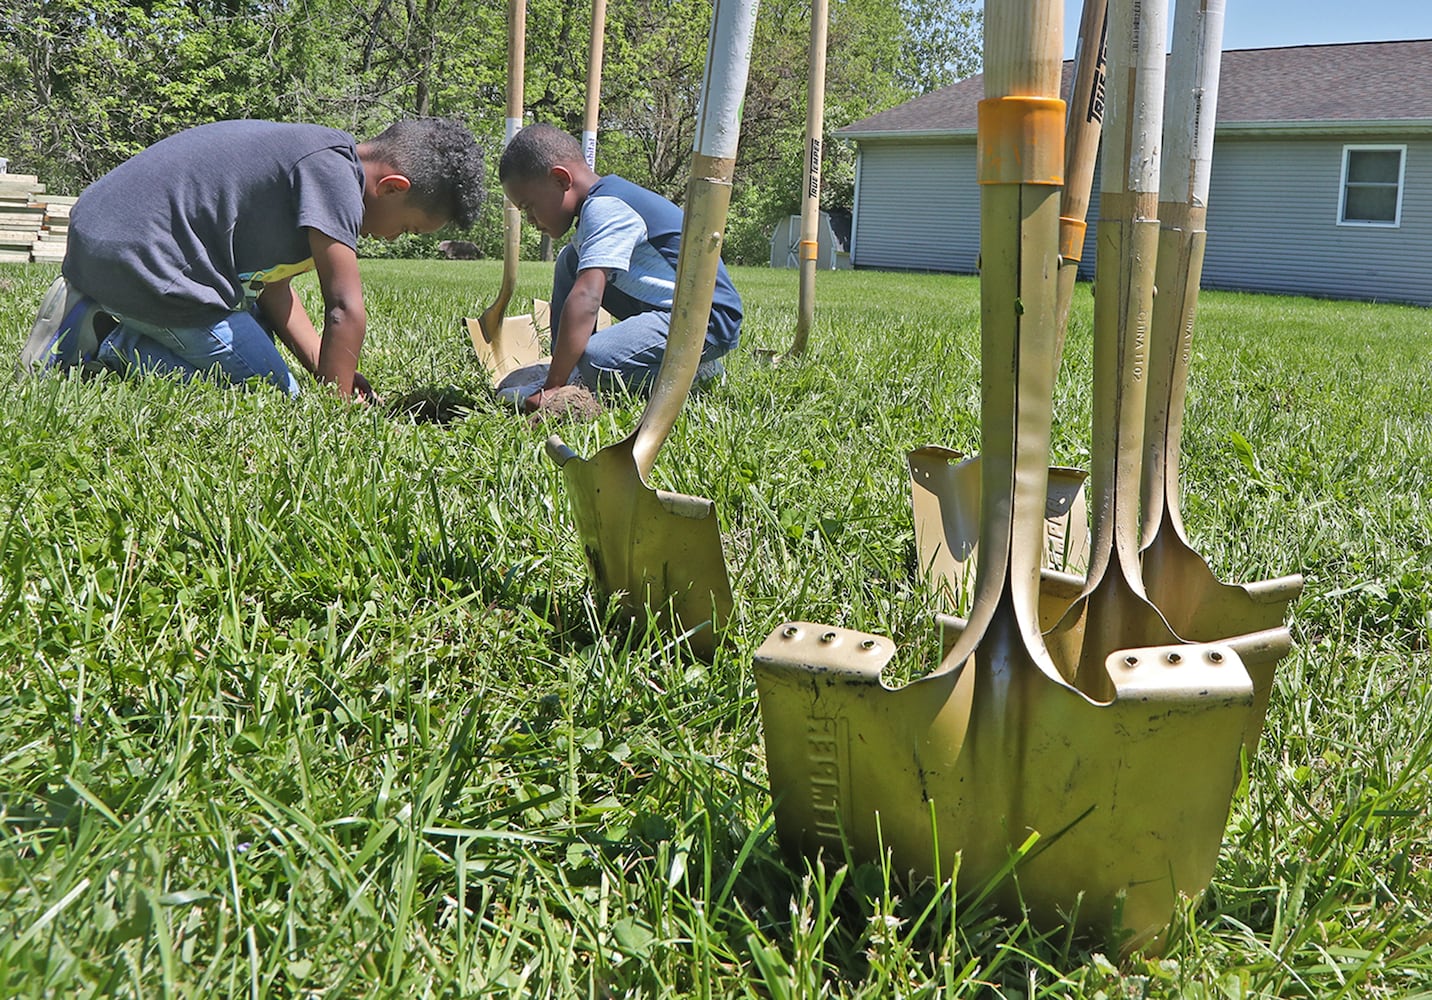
(190, 229)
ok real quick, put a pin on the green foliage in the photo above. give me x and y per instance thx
(303, 697)
(86, 85)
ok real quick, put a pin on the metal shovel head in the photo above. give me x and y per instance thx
(654, 550)
(953, 773)
(1106, 808)
(504, 344)
(542, 318)
(945, 501)
(1198, 605)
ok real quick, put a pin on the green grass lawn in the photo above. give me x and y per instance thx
(306, 699)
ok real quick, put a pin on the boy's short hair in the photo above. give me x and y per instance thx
(442, 159)
(535, 150)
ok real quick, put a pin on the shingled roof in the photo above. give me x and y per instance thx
(1346, 86)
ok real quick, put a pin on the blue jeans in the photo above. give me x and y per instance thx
(626, 354)
(235, 349)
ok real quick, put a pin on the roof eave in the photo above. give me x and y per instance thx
(1372, 126)
(902, 133)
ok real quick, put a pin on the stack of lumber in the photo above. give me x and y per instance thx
(54, 233)
(33, 225)
(21, 217)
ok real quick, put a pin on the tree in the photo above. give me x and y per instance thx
(87, 83)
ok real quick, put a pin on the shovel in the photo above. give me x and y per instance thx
(944, 485)
(810, 195)
(1086, 122)
(528, 341)
(541, 308)
(1104, 809)
(1177, 579)
(505, 343)
(594, 82)
(659, 552)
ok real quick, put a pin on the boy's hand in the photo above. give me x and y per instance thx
(574, 328)
(363, 392)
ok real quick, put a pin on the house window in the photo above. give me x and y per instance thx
(1372, 185)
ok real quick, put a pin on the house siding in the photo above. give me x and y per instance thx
(1272, 217)
(918, 208)
(1272, 223)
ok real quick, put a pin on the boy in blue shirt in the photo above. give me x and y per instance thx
(622, 257)
(181, 258)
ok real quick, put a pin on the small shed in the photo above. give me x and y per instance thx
(832, 241)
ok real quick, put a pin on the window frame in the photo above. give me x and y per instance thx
(1396, 221)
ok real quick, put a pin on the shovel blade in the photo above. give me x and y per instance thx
(1199, 607)
(853, 763)
(542, 318)
(1135, 793)
(504, 344)
(945, 502)
(952, 773)
(659, 553)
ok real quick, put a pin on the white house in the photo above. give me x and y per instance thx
(1321, 181)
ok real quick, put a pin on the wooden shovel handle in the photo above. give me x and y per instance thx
(516, 62)
(491, 318)
(594, 82)
(1020, 166)
(1021, 49)
(810, 194)
(1081, 153)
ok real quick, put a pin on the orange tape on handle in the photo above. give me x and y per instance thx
(1021, 140)
(809, 249)
(1071, 237)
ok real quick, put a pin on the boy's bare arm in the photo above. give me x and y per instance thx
(283, 309)
(579, 319)
(345, 320)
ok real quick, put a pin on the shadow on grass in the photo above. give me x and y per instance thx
(433, 404)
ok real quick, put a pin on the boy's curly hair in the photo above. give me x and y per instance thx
(442, 159)
(535, 150)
